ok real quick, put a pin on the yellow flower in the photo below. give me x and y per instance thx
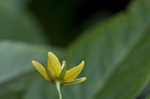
(56, 72)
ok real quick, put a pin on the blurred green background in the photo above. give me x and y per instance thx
(113, 37)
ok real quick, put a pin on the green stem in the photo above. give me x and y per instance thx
(59, 89)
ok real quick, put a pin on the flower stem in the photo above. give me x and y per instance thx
(59, 89)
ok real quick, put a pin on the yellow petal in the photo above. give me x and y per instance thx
(74, 72)
(77, 81)
(54, 65)
(39, 67)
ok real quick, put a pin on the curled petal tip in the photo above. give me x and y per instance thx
(33, 61)
(50, 53)
(84, 78)
(83, 62)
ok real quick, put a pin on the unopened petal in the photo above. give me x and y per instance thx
(39, 67)
(74, 72)
(54, 65)
(77, 81)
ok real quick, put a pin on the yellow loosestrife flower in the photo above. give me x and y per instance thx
(57, 71)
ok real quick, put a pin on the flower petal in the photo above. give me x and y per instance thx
(77, 81)
(74, 72)
(54, 65)
(39, 67)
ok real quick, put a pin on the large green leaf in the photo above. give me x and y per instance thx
(17, 24)
(117, 55)
(15, 65)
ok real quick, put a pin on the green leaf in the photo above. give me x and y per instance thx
(16, 71)
(116, 54)
(130, 76)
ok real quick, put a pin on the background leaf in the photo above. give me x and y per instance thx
(16, 69)
(114, 51)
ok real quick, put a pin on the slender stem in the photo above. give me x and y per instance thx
(59, 89)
